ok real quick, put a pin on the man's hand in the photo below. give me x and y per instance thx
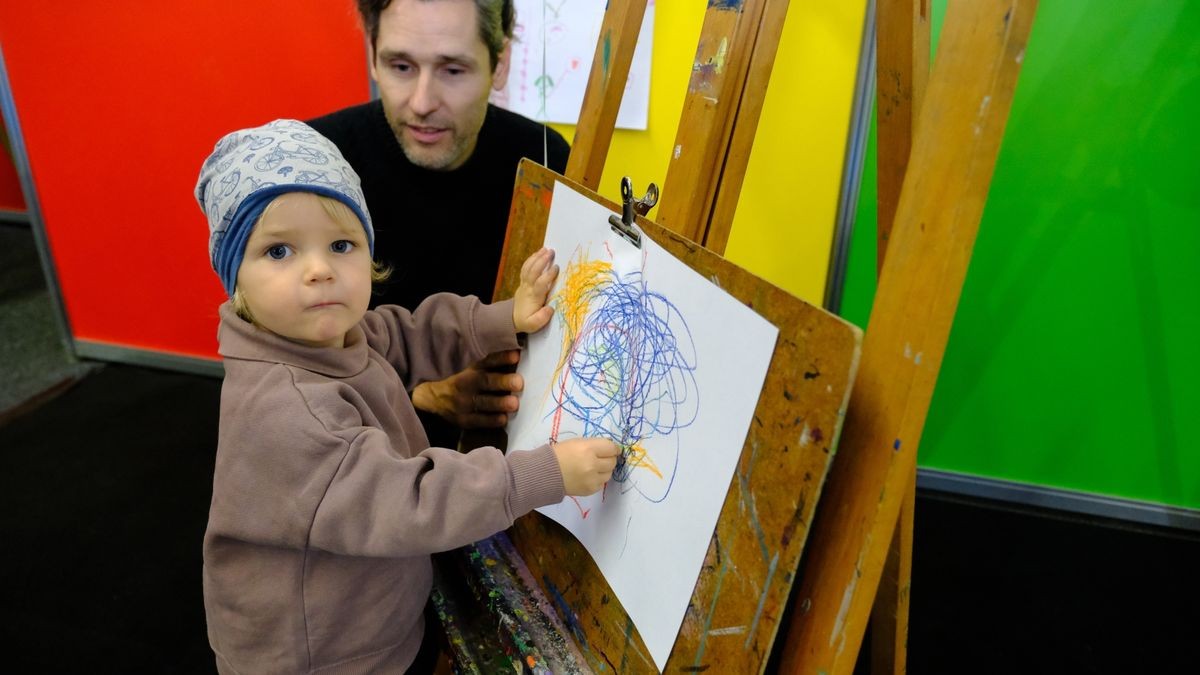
(480, 397)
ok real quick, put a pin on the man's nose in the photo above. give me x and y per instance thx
(424, 98)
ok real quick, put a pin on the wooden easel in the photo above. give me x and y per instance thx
(746, 577)
(734, 616)
(929, 212)
(865, 514)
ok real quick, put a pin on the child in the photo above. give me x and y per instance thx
(327, 501)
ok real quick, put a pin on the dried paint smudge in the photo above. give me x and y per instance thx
(762, 599)
(712, 608)
(705, 71)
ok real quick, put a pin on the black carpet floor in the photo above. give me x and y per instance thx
(103, 503)
(105, 492)
(33, 358)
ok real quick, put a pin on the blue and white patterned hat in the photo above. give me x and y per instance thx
(249, 168)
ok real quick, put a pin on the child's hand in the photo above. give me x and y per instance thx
(530, 312)
(586, 464)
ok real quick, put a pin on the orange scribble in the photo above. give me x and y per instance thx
(636, 458)
(572, 303)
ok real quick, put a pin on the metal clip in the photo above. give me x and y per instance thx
(624, 225)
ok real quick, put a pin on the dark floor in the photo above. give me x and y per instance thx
(33, 357)
(105, 491)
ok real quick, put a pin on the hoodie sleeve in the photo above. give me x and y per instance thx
(294, 472)
(442, 336)
(379, 504)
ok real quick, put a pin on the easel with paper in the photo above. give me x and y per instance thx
(646, 352)
(725, 617)
(751, 540)
(743, 587)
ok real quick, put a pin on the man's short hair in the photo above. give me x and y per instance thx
(496, 20)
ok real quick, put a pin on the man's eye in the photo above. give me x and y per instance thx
(401, 67)
(278, 252)
(341, 246)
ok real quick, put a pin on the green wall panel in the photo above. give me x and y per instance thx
(1074, 359)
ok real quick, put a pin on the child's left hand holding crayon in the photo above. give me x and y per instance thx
(530, 311)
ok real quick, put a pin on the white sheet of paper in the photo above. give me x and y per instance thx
(569, 30)
(662, 360)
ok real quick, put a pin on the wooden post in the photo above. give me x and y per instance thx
(745, 124)
(902, 72)
(606, 86)
(954, 154)
(714, 90)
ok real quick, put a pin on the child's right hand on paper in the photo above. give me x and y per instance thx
(586, 464)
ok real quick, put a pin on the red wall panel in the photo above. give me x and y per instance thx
(120, 102)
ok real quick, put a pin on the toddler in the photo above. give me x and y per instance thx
(327, 501)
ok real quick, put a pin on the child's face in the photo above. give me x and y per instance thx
(305, 276)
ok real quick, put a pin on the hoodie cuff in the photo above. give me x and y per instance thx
(494, 329)
(534, 480)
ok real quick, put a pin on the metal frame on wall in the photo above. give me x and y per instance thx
(33, 214)
(852, 166)
(1060, 499)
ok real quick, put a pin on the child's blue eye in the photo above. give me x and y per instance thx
(341, 246)
(278, 252)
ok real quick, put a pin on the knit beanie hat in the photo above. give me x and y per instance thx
(249, 168)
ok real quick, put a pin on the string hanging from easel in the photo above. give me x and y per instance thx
(542, 94)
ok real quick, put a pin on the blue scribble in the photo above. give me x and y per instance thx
(630, 376)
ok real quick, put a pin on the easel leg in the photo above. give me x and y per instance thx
(902, 53)
(941, 203)
(889, 614)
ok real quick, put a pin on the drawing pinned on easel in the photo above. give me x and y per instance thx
(553, 44)
(644, 351)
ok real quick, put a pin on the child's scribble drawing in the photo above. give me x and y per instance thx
(626, 370)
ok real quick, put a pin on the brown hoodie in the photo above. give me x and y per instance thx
(327, 502)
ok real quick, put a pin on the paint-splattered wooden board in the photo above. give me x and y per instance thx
(751, 561)
(499, 620)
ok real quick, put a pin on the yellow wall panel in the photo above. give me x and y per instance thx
(786, 215)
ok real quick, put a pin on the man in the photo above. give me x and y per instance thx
(437, 163)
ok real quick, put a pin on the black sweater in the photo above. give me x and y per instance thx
(439, 230)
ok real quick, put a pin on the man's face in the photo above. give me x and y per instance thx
(434, 76)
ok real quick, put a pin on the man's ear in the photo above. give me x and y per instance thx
(500, 74)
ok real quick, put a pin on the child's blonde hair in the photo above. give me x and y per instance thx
(340, 214)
